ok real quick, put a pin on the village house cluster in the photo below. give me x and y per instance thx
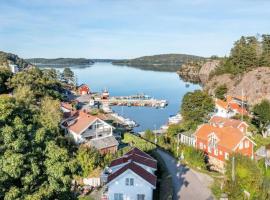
(131, 176)
(223, 136)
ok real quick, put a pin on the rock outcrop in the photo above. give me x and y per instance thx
(198, 72)
(255, 84)
(206, 69)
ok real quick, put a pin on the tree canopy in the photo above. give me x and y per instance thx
(262, 115)
(247, 53)
(196, 107)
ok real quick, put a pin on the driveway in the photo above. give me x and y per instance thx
(187, 183)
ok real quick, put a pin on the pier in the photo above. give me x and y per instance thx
(134, 100)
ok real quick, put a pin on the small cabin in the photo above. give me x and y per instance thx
(83, 89)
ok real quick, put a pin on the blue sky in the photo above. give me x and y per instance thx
(128, 28)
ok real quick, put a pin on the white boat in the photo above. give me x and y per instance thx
(164, 127)
(126, 121)
(175, 119)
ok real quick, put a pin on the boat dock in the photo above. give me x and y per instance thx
(135, 100)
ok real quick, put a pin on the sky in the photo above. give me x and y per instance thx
(128, 28)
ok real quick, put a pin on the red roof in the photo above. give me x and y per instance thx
(228, 137)
(150, 178)
(82, 122)
(137, 151)
(226, 122)
(238, 109)
(136, 158)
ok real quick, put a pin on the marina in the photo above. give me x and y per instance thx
(140, 87)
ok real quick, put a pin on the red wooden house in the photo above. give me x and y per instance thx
(220, 142)
(83, 89)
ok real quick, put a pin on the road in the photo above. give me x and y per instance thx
(187, 183)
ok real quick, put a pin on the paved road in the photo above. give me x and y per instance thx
(188, 184)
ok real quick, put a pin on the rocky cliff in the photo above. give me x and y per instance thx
(254, 83)
(198, 72)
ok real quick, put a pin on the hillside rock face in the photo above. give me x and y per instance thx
(198, 72)
(255, 84)
(206, 69)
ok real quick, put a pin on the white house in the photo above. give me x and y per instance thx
(90, 130)
(14, 68)
(132, 177)
(222, 109)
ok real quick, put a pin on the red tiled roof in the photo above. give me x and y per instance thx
(225, 122)
(82, 122)
(66, 106)
(221, 103)
(150, 178)
(238, 109)
(228, 137)
(137, 151)
(136, 158)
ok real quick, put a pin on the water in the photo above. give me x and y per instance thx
(121, 80)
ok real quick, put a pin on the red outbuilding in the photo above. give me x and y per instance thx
(83, 89)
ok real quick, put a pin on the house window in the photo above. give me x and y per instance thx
(241, 145)
(140, 197)
(118, 196)
(226, 156)
(212, 142)
(216, 152)
(209, 149)
(246, 144)
(130, 181)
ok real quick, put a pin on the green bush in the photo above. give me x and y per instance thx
(194, 157)
(221, 91)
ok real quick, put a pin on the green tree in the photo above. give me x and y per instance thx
(34, 163)
(88, 159)
(68, 76)
(196, 107)
(245, 171)
(262, 115)
(265, 60)
(221, 91)
(5, 74)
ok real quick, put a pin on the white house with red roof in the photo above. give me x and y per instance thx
(90, 130)
(132, 176)
(229, 108)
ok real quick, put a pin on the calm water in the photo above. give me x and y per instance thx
(129, 81)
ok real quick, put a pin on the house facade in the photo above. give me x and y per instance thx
(83, 89)
(229, 108)
(132, 177)
(219, 143)
(92, 131)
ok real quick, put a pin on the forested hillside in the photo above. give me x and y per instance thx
(163, 62)
(6, 58)
(60, 61)
(246, 69)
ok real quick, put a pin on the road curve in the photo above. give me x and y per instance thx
(187, 183)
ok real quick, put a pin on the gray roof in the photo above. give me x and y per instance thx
(105, 142)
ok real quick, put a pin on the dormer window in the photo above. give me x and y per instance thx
(212, 141)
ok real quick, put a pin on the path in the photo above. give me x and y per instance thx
(188, 184)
